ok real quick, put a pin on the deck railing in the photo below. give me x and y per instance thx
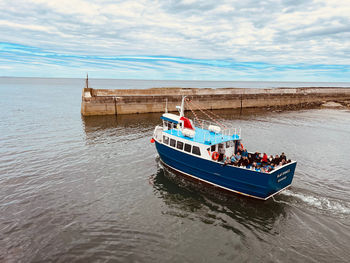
(226, 131)
(235, 133)
(157, 133)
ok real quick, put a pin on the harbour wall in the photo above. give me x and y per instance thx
(130, 101)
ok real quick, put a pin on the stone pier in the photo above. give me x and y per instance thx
(131, 101)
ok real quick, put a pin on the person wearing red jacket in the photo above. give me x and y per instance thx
(264, 159)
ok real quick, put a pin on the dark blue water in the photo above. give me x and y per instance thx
(77, 189)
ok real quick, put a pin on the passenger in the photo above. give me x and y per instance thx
(267, 168)
(283, 157)
(245, 153)
(278, 165)
(250, 157)
(245, 161)
(221, 152)
(233, 159)
(270, 158)
(289, 161)
(227, 160)
(241, 162)
(253, 157)
(250, 161)
(276, 160)
(258, 168)
(253, 166)
(264, 160)
(258, 158)
(239, 149)
(238, 156)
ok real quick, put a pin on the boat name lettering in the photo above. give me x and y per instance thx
(285, 172)
(281, 179)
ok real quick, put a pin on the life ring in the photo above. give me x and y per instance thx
(215, 156)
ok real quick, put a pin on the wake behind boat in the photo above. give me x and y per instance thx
(213, 153)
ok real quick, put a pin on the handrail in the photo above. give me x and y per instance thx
(229, 131)
(204, 124)
(157, 133)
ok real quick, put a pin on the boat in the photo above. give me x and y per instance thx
(192, 148)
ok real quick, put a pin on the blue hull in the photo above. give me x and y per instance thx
(230, 178)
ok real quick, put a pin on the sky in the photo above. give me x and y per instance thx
(286, 40)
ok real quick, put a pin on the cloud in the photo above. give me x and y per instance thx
(156, 67)
(211, 35)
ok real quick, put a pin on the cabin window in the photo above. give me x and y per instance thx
(166, 139)
(166, 125)
(172, 142)
(187, 147)
(180, 145)
(212, 148)
(196, 150)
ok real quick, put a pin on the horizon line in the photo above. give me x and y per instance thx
(191, 80)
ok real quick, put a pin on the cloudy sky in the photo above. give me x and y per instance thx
(286, 40)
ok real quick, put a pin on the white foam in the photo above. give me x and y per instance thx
(322, 203)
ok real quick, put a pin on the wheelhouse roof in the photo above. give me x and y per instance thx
(171, 117)
(203, 136)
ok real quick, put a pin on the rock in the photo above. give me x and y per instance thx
(332, 104)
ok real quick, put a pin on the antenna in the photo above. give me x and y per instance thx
(166, 105)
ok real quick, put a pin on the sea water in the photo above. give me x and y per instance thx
(85, 189)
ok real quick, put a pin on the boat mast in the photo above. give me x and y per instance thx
(182, 110)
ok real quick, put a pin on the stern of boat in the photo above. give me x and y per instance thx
(282, 177)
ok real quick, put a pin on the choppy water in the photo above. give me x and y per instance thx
(77, 189)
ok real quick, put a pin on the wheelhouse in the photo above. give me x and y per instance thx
(201, 138)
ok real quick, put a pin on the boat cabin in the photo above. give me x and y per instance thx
(182, 133)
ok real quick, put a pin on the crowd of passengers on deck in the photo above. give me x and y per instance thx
(254, 161)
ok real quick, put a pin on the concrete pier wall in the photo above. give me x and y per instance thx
(127, 101)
